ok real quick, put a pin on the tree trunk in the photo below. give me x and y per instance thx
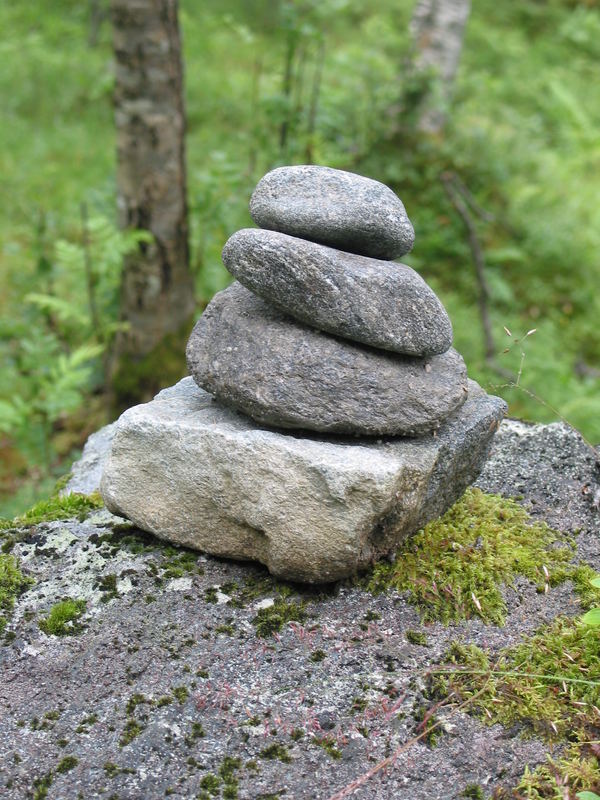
(157, 290)
(438, 28)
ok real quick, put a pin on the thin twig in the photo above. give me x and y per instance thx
(534, 396)
(509, 673)
(456, 197)
(486, 216)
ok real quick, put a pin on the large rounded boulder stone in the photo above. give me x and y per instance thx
(380, 303)
(281, 373)
(333, 207)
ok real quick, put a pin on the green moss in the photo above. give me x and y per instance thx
(210, 595)
(165, 700)
(550, 682)
(317, 656)
(211, 784)
(228, 630)
(272, 619)
(549, 685)
(108, 586)
(85, 723)
(428, 726)
(276, 751)
(41, 786)
(575, 772)
(473, 791)
(417, 637)
(180, 693)
(131, 729)
(454, 568)
(67, 764)
(197, 732)
(329, 745)
(134, 701)
(227, 772)
(63, 618)
(359, 704)
(12, 584)
(71, 505)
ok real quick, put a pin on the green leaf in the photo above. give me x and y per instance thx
(596, 582)
(587, 796)
(592, 617)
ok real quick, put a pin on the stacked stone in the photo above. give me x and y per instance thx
(323, 331)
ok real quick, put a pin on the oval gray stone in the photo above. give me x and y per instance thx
(281, 373)
(379, 303)
(333, 207)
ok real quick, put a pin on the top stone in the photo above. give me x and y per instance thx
(335, 208)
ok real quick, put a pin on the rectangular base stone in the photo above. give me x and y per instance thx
(312, 508)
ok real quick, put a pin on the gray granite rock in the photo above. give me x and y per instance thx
(333, 207)
(87, 471)
(156, 632)
(379, 303)
(281, 373)
(312, 509)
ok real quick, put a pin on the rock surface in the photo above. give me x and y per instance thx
(333, 207)
(379, 303)
(284, 374)
(109, 690)
(87, 471)
(310, 509)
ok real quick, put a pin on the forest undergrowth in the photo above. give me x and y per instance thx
(520, 152)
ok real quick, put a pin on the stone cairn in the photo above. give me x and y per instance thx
(358, 423)
(264, 345)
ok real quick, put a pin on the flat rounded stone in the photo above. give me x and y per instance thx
(333, 207)
(281, 373)
(379, 303)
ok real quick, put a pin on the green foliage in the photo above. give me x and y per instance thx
(12, 584)
(455, 567)
(291, 82)
(63, 619)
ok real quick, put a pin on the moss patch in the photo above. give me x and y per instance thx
(328, 744)
(454, 568)
(67, 764)
(549, 685)
(272, 619)
(63, 619)
(276, 752)
(12, 584)
(71, 505)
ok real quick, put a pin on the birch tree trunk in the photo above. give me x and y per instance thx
(438, 28)
(157, 290)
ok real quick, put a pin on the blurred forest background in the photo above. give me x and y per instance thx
(508, 189)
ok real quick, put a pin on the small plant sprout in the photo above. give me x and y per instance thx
(592, 618)
(518, 343)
